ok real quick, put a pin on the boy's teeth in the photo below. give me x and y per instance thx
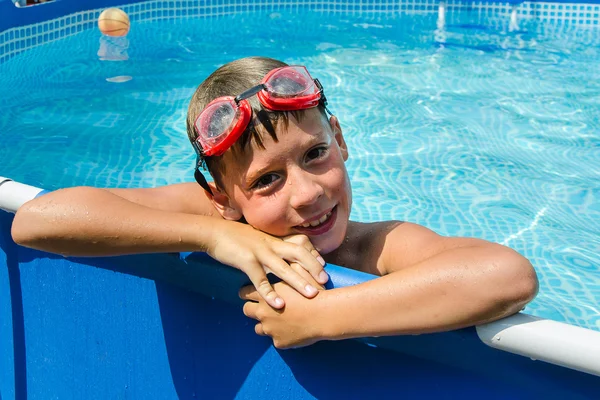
(317, 222)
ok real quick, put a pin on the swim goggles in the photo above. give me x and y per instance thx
(225, 118)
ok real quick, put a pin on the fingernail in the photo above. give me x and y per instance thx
(310, 289)
(279, 302)
(323, 277)
(321, 260)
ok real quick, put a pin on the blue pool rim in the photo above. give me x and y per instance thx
(461, 350)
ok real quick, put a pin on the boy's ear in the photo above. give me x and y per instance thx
(222, 203)
(339, 137)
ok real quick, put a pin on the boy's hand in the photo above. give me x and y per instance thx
(304, 241)
(294, 326)
(257, 253)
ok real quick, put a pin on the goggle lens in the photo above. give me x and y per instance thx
(290, 82)
(216, 122)
(221, 118)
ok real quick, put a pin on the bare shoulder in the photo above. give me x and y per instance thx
(187, 198)
(380, 248)
(409, 244)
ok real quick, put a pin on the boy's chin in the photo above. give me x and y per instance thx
(327, 245)
(332, 240)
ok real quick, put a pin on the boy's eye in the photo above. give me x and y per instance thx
(317, 152)
(266, 180)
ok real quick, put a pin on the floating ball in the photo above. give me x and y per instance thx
(113, 22)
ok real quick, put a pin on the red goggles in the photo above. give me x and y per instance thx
(224, 119)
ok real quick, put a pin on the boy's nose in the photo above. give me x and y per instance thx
(305, 190)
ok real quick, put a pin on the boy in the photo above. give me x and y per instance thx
(277, 159)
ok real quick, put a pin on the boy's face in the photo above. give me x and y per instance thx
(296, 185)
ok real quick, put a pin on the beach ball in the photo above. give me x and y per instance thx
(113, 22)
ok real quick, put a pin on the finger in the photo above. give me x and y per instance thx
(258, 328)
(258, 277)
(283, 270)
(249, 310)
(307, 260)
(315, 253)
(307, 244)
(304, 274)
(249, 293)
(300, 240)
(304, 241)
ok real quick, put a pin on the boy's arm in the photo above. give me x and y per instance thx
(186, 197)
(86, 221)
(450, 283)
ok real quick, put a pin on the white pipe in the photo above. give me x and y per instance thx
(543, 339)
(441, 21)
(14, 194)
(513, 25)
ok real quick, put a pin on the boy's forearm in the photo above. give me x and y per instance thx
(93, 222)
(458, 288)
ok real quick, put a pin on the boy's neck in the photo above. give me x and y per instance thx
(362, 246)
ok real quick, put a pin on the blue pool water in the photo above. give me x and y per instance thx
(471, 130)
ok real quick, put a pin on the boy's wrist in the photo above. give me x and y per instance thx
(204, 235)
(328, 321)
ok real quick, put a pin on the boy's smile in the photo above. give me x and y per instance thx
(297, 184)
(320, 225)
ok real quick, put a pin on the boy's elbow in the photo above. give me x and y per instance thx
(519, 282)
(23, 230)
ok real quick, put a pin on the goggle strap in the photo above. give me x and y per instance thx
(199, 176)
(249, 93)
(322, 99)
(197, 148)
(318, 83)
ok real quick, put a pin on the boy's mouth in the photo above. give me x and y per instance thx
(320, 225)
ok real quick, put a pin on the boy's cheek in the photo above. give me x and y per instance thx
(268, 220)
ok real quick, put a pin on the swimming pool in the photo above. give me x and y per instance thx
(470, 128)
